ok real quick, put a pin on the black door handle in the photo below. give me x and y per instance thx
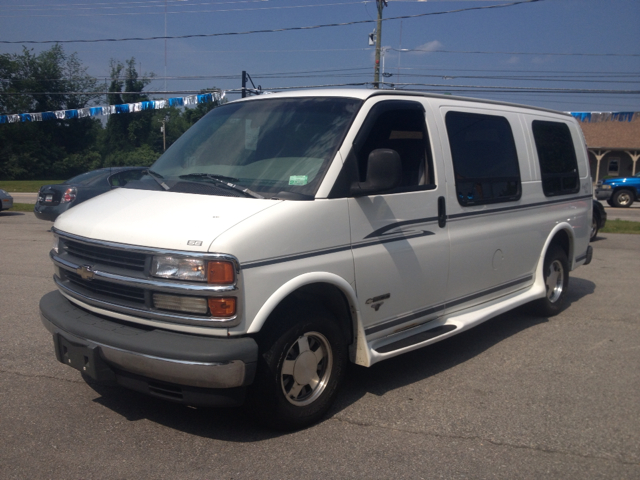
(442, 212)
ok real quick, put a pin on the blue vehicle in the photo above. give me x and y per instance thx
(619, 191)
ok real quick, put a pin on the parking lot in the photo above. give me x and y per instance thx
(518, 397)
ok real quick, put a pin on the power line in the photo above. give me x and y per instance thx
(275, 30)
(285, 7)
(405, 50)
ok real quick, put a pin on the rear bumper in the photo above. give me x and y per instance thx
(44, 212)
(6, 203)
(203, 370)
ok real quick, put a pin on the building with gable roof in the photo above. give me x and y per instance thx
(614, 147)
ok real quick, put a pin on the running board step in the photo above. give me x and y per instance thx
(417, 338)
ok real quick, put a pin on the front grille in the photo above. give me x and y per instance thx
(112, 290)
(106, 256)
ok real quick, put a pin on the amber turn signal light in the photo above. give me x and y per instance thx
(220, 273)
(222, 306)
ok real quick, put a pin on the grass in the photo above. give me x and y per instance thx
(21, 207)
(25, 185)
(621, 226)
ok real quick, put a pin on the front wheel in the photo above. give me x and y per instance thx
(556, 278)
(301, 367)
(622, 198)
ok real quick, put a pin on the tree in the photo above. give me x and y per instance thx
(43, 82)
(126, 132)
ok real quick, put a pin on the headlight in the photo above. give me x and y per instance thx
(193, 269)
(56, 243)
(605, 187)
(179, 268)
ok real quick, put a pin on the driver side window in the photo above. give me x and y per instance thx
(399, 126)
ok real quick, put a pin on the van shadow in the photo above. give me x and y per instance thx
(236, 424)
(6, 213)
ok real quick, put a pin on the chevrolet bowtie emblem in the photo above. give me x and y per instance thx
(86, 272)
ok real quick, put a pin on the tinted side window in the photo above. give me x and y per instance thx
(484, 156)
(557, 157)
(398, 126)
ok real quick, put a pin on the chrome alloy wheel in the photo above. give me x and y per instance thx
(555, 281)
(624, 199)
(306, 369)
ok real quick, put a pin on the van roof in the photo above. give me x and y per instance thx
(364, 94)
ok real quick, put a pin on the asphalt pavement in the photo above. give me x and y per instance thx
(520, 396)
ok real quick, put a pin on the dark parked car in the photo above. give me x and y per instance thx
(56, 199)
(599, 218)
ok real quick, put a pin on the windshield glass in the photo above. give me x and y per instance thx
(267, 146)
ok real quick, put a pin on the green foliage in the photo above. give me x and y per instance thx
(621, 226)
(52, 80)
(21, 207)
(25, 185)
(47, 81)
(141, 157)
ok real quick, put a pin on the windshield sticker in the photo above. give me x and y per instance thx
(250, 136)
(298, 180)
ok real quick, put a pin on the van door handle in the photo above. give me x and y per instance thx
(442, 212)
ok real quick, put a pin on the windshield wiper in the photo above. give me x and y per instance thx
(158, 178)
(224, 181)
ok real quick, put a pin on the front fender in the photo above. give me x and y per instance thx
(359, 351)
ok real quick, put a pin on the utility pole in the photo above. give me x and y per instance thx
(244, 83)
(376, 77)
(163, 129)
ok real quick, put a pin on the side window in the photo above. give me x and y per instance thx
(485, 160)
(399, 126)
(122, 178)
(558, 163)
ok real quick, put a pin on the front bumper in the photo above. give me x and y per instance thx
(603, 194)
(202, 370)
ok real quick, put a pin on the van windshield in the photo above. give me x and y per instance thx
(268, 145)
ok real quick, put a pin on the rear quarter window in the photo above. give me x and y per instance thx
(485, 159)
(557, 157)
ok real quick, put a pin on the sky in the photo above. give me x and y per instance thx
(568, 55)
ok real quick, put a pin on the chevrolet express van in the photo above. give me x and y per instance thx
(286, 235)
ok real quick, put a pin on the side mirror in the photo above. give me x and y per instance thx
(384, 172)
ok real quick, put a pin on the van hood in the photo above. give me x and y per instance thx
(159, 219)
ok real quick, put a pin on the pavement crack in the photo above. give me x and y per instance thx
(488, 440)
(50, 377)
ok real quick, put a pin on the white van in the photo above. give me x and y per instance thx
(285, 235)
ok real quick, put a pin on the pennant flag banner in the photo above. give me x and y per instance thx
(605, 116)
(113, 109)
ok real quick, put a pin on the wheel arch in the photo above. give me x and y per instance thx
(561, 235)
(635, 191)
(330, 290)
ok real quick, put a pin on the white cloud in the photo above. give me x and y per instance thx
(427, 47)
(513, 60)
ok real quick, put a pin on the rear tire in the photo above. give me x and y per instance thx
(622, 198)
(301, 366)
(556, 278)
(595, 221)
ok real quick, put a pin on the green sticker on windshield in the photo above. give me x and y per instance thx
(298, 180)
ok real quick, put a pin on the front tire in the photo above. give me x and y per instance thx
(622, 198)
(556, 278)
(301, 367)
